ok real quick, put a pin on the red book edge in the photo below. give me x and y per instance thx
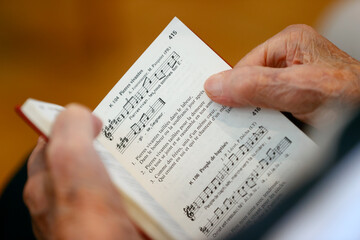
(30, 123)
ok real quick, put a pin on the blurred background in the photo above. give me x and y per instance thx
(76, 50)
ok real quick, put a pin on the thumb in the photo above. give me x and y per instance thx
(71, 147)
(283, 89)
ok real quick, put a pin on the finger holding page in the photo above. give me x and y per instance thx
(71, 147)
(281, 89)
(296, 71)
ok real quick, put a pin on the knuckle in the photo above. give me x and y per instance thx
(28, 189)
(29, 195)
(299, 27)
(241, 83)
(300, 30)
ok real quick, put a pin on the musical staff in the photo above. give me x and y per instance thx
(228, 167)
(170, 64)
(137, 127)
(244, 188)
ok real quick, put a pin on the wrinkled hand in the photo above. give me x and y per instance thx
(296, 71)
(68, 192)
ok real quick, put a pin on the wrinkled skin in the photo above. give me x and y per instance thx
(68, 192)
(70, 195)
(296, 71)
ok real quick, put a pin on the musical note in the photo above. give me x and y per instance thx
(160, 75)
(263, 163)
(137, 127)
(198, 201)
(248, 145)
(262, 130)
(255, 136)
(170, 64)
(252, 140)
(233, 157)
(226, 167)
(201, 198)
(144, 119)
(218, 212)
(215, 182)
(244, 149)
(139, 95)
(242, 192)
(128, 107)
(221, 174)
(271, 154)
(250, 182)
(227, 203)
(233, 161)
(147, 84)
(208, 191)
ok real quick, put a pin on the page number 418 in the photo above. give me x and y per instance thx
(172, 34)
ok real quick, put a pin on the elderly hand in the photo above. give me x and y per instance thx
(68, 192)
(296, 71)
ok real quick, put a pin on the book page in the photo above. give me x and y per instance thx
(212, 168)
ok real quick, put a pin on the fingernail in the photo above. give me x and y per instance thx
(214, 85)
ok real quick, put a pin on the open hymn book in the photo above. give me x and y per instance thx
(188, 168)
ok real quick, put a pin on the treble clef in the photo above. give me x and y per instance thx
(108, 135)
(189, 211)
